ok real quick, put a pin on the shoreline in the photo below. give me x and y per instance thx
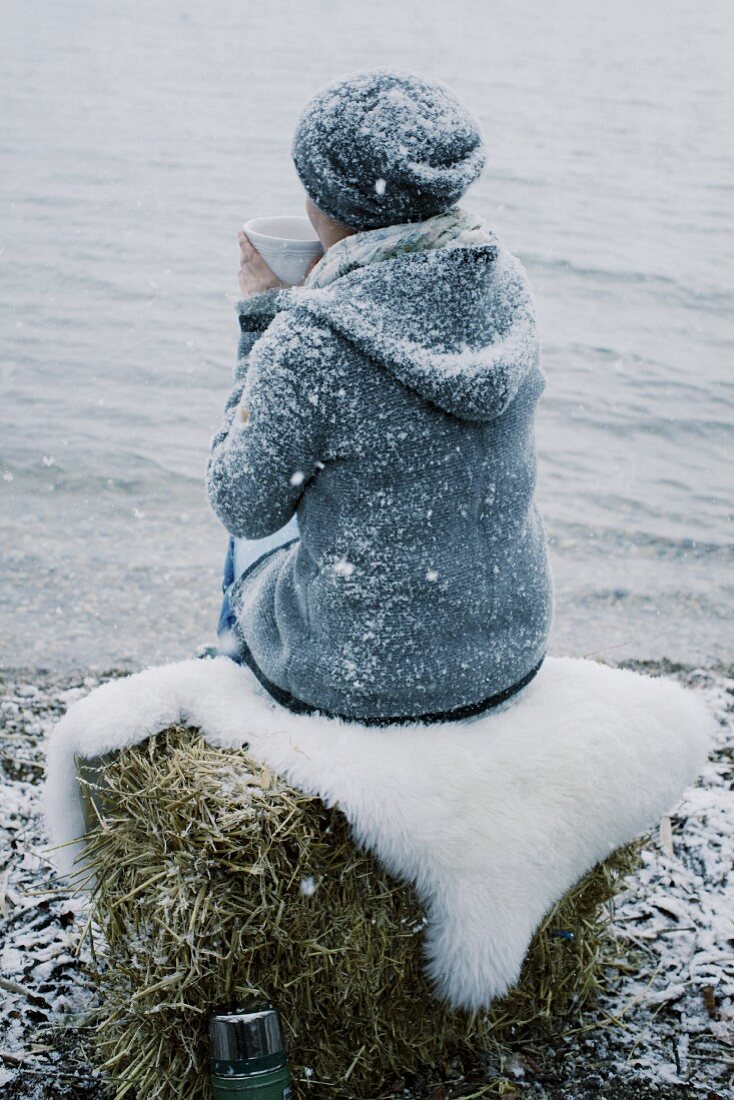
(663, 1028)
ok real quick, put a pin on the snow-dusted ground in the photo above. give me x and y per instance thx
(666, 1030)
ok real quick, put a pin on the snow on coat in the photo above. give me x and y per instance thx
(393, 410)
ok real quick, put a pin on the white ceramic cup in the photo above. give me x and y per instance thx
(287, 244)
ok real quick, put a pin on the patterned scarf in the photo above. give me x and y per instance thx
(455, 228)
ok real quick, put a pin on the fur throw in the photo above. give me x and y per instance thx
(492, 820)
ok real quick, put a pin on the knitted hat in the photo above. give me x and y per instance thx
(381, 146)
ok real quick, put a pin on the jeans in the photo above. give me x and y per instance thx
(241, 554)
(226, 637)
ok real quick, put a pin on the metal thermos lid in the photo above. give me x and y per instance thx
(248, 1034)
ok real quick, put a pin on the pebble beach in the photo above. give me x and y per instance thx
(663, 1026)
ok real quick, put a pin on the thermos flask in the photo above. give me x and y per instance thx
(248, 1057)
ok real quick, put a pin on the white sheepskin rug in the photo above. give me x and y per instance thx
(493, 820)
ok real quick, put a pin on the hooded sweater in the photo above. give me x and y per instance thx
(392, 410)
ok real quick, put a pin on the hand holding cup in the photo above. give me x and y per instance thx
(291, 246)
(255, 276)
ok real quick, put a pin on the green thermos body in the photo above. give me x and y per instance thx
(248, 1057)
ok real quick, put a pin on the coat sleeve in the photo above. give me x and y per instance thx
(268, 446)
(255, 315)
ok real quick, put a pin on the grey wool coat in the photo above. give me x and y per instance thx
(393, 410)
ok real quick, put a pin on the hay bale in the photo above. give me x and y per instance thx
(216, 881)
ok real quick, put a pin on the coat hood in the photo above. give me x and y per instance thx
(457, 325)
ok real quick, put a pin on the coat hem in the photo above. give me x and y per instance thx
(456, 714)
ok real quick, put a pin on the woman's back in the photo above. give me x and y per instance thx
(394, 409)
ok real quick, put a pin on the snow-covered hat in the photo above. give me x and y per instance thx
(382, 146)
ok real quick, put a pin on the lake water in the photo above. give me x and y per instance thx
(136, 138)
